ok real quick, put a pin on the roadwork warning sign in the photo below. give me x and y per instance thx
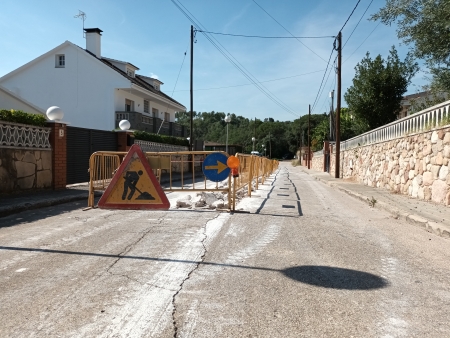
(134, 186)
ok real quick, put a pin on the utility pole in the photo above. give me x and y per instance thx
(191, 136)
(309, 130)
(338, 109)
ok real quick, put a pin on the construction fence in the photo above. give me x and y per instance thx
(182, 171)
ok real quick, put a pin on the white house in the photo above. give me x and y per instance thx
(94, 91)
(9, 100)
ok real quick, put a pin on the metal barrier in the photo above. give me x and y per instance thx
(180, 167)
(251, 168)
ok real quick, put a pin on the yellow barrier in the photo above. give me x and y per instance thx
(184, 165)
(251, 168)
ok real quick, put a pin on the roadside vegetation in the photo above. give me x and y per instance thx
(19, 116)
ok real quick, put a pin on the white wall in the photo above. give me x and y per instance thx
(8, 101)
(84, 89)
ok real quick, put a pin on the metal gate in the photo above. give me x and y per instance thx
(81, 144)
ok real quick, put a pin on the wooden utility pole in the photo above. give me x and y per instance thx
(338, 109)
(309, 130)
(191, 135)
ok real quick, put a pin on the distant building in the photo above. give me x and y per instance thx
(409, 102)
(94, 91)
(214, 146)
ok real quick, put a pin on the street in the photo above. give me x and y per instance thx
(300, 259)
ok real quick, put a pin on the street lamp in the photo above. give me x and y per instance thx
(253, 140)
(189, 140)
(264, 149)
(227, 120)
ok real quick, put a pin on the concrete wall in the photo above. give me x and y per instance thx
(416, 165)
(22, 170)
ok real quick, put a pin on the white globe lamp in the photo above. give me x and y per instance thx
(55, 113)
(124, 125)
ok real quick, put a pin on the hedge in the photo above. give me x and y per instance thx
(144, 136)
(19, 116)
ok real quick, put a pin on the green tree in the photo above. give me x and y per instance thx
(378, 88)
(424, 26)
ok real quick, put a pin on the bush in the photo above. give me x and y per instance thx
(144, 136)
(19, 116)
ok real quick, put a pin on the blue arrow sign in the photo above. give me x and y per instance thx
(215, 167)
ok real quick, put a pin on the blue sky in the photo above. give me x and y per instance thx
(155, 34)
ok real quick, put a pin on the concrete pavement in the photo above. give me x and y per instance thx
(432, 217)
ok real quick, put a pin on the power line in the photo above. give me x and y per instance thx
(357, 24)
(350, 15)
(250, 84)
(373, 30)
(288, 31)
(233, 60)
(328, 63)
(270, 37)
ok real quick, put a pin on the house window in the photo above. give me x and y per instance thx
(156, 86)
(155, 112)
(129, 105)
(130, 72)
(146, 106)
(167, 117)
(60, 61)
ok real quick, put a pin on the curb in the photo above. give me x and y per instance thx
(17, 208)
(441, 230)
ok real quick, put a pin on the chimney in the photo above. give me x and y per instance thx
(93, 41)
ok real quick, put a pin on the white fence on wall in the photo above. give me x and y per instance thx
(16, 135)
(159, 147)
(424, 120)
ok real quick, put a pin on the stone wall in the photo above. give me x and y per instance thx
(22, 170)
(416, 165)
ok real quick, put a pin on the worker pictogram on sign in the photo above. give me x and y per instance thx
(134, 186)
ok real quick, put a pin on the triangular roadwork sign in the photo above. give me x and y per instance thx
(134, 186)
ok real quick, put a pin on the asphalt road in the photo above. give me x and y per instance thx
(304, 260)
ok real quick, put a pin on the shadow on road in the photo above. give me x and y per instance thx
(335, 278)
(321, 276)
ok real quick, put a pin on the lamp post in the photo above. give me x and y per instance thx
(227, 120)
(189, 140)
(253, 140)
(264, 149)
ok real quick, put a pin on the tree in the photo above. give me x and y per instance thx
(424, 26)
(378, 88)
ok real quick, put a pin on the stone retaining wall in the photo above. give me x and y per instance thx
(416, 165)
(22, 170)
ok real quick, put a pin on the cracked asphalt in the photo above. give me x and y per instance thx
(301, 260)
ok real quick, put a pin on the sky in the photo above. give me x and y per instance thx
(154, 35)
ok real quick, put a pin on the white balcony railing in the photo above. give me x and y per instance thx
(14, 135)
(424, 120)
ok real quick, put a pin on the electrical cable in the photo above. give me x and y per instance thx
(373, 30)
(288, 31)
(270, 37)
(323, 88)
(350, 15)
(233, 61)
(320, 87)
(250, 84)
(357, 24)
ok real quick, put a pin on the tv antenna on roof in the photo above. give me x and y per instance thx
(82, 16)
